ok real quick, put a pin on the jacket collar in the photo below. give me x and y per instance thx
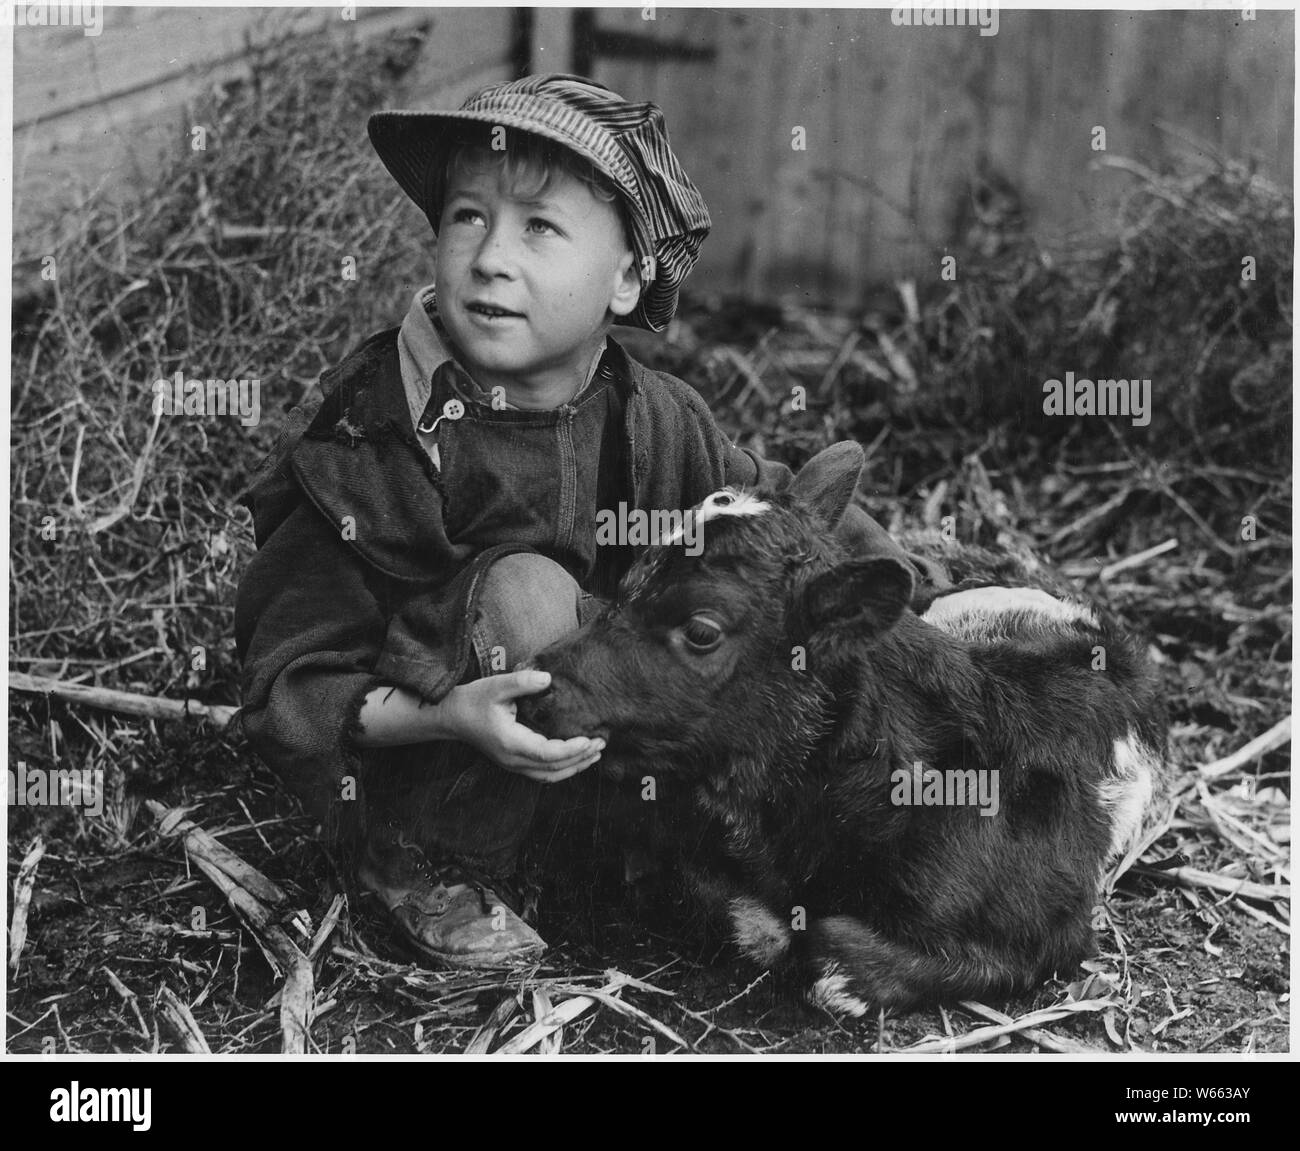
(423, 347)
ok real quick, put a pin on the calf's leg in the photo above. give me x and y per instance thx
(854, 968)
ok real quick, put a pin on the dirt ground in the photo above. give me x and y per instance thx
(1177, 970)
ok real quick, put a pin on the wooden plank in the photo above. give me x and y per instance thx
(56, 73)
(94, 114)
(898, 118)
(466, 49)
(552, 40)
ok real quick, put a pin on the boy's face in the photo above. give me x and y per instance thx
(525, 285)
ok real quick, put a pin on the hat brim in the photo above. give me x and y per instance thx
(413, 147)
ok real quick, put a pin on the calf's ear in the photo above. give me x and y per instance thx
(826, 483)
(861, 597)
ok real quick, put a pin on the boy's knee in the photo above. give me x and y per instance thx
(527, 602)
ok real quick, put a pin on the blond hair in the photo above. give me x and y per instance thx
(529, 165)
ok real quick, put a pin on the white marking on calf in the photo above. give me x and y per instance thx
(731, 502)
(758, 933)
(972, 614)
(1127, 795)
(725, 502)
(831, 992)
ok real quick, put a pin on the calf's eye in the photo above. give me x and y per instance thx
(701, 633)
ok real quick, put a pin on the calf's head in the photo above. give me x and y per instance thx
(706, 657)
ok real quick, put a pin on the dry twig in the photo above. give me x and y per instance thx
(23, 887)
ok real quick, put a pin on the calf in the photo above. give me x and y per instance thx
(907, 808)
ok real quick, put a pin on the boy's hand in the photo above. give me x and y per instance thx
(482, 714)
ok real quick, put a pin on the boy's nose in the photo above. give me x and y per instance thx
(495, 256)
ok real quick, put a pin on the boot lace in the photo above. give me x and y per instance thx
(449, 871)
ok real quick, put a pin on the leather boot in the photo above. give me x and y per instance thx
(448, 911)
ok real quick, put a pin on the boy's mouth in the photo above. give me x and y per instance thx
(491, 311)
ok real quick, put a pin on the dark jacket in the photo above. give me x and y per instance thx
(321, 620)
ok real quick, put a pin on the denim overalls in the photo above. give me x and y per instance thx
(535, 477)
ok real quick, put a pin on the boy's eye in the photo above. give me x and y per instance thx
(541, 227)
(467, 216)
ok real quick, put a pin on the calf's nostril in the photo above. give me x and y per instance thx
(531, 710)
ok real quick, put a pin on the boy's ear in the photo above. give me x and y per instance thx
(861, 598)
(826, 483)
(627, 287)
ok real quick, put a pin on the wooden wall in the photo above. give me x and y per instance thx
(93, 113)
(896, 118)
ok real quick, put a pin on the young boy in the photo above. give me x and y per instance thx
(427, 521)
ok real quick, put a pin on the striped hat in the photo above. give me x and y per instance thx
(626, 142)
